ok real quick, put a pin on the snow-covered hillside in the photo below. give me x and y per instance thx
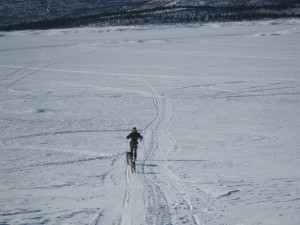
(36, 14)
(218, 106)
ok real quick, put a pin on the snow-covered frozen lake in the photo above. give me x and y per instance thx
(217, 104)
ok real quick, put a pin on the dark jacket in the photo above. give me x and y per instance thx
(134, 137)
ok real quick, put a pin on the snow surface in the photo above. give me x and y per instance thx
(217, 104)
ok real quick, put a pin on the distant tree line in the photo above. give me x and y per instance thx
(168, 15)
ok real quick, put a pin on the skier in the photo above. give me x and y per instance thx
(134, 136)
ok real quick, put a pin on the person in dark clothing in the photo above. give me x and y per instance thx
(134, 136)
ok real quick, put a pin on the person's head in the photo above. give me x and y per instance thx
(134, 129)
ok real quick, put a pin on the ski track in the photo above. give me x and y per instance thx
(166, 199)
(179, 208)
(155, 205)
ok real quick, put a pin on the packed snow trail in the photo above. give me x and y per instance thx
(155, 209)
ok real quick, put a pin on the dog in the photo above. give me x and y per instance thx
(130, 162)
(128, 158)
